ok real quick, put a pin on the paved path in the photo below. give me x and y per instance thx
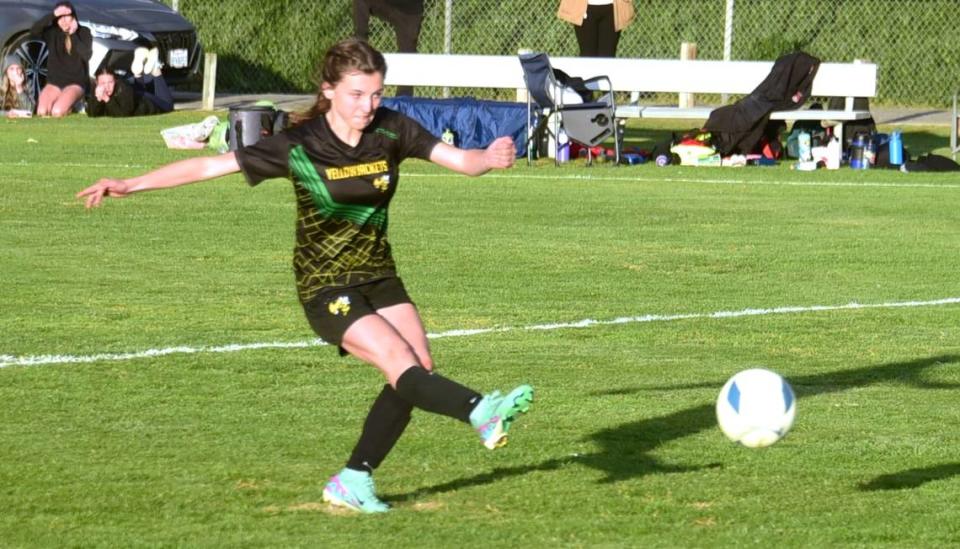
(912, 116)
(290, 102)
(187, 101)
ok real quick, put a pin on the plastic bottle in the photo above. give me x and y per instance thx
(869, 153)
(563, 146)
(856, 152)
(448, 136)
(803, 147)
(896, 148)
(833, 153)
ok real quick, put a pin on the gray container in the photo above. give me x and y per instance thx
(249, 124)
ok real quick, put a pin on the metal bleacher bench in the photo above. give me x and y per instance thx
(847, 80)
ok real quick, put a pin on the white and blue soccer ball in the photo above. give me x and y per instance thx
(756, 408)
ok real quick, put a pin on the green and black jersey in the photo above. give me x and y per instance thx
(342, 194)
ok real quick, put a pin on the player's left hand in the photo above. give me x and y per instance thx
(501, 153)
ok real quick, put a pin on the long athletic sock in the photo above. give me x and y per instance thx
(435, 393)
(385, 422)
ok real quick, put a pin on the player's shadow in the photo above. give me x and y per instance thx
(912, 478)
(625, 451)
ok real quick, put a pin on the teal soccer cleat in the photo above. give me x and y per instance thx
(494, 414)
(353, 490)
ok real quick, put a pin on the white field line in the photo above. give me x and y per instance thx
(634, 179)
(39, 360)
(25, 164)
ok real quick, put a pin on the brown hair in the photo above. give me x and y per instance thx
(346, 56)
(105, 70)
(8, 95)
(73, 10)
(68, 41)
(8, 92)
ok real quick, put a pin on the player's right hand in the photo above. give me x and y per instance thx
(94, 194)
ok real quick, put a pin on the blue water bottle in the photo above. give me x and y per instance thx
(804, 152)
(896, 148)
(856, 152)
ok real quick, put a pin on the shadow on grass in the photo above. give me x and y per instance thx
(920, 142)
(912, 478)
(625, 451)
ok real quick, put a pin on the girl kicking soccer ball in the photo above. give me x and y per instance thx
(343, 157)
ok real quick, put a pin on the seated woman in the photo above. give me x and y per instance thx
(69, 47)
(148, 94)
(16, 101)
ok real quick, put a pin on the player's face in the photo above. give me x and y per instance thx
(355, 98)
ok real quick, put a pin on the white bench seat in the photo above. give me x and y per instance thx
(846, 80)
(702, 113)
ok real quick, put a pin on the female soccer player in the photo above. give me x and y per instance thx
(343, 158)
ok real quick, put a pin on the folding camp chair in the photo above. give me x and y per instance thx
(589, 123)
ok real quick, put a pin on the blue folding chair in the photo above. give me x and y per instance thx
(588, 123)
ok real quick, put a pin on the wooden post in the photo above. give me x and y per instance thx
(209, 80)
(688, 52)
(521, 95)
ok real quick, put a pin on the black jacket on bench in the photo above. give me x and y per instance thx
(738, 128)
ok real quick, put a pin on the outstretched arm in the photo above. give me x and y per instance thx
(43, 24)
(499, 154)
(178, 173)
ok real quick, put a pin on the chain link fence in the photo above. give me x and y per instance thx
(274, 46)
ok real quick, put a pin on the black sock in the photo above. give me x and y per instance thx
(385, 422)
(390, 413)
(437, 394)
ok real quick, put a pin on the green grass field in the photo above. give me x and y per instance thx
(136, 408)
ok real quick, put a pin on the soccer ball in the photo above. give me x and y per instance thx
(756, 408)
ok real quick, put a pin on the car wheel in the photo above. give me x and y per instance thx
(32, 53)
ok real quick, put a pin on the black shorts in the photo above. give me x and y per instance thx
(334, 310)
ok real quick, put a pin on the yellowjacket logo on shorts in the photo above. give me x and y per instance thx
(339, 306)
(382, 183)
